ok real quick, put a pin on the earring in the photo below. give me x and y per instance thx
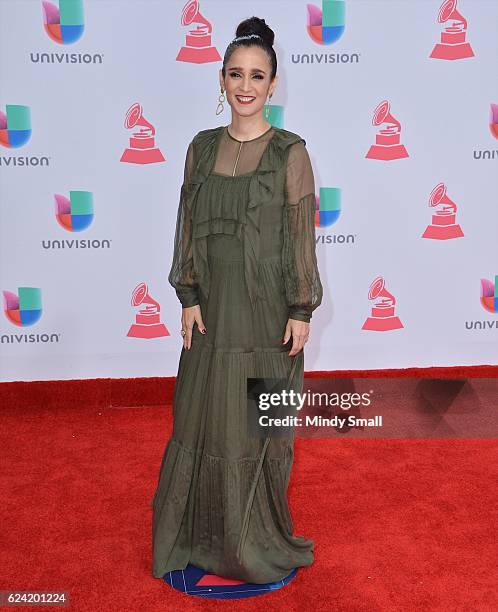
(221, 99)
(267, 108)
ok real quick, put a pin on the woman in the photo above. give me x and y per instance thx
(244, 269)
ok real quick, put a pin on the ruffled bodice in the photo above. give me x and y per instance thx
(261, 191)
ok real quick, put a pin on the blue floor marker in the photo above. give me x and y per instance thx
(195, 581)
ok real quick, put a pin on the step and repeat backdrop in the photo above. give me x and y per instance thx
(397, 101)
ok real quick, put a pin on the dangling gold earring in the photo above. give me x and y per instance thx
(221, 99)
(267, 108)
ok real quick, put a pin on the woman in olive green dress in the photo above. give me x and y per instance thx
(245, 271)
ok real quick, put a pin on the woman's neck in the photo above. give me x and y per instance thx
(247, 128)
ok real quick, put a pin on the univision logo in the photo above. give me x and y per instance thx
(23, 308)
(328, 206)
(75, 214)
(325, 26)
(64, 24)
(493, 128)
(493, 120)
(489, 295)
(15, 132)
(489, 301)
(327, 212)
(15, 126)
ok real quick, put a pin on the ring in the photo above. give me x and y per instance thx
(183, 332)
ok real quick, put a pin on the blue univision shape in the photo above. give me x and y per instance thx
(71, 33)
(18, 138)
(81, 222)
(29, 317)
(328, 217)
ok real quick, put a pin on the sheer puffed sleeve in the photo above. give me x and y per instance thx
(302, 280)
(181, 275)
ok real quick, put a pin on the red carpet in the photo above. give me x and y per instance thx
(398, 524)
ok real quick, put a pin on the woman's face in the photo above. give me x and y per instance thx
(247, 80)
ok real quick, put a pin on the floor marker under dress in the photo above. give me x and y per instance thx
(195, 581)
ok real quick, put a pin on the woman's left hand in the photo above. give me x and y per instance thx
(300, 331)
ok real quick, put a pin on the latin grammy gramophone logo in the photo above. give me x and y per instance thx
(387, 140)
(64, 24)
(142, 149)
(198, 48)
(382, 317)
(23, 308)
(489, 295)
(325, 26)
(443, 225)
(453, 44)
(147, 320)
(15, 126)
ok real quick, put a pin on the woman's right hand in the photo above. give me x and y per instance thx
(190, 316)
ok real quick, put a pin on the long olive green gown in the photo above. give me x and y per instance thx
(245, 252)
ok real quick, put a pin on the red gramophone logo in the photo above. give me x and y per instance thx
(387, 140)
(382, 317)
(142, 149)
(147, 320)
(197, 48)
(444, 225)
(453, 43)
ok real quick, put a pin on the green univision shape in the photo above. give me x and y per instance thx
(275, 115)
(71, 12)
(333, 12)
(30, 298)
(496, 287)
(18, 117)
(330, 198)
(81, 202)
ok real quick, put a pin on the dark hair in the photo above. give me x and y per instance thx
(262, 36)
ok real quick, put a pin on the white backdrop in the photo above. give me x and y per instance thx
(77, 310)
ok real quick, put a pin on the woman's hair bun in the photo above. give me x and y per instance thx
(256, 25)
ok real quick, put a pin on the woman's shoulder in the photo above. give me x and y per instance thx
(287, 134)
(206, 135)
(285, 138)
